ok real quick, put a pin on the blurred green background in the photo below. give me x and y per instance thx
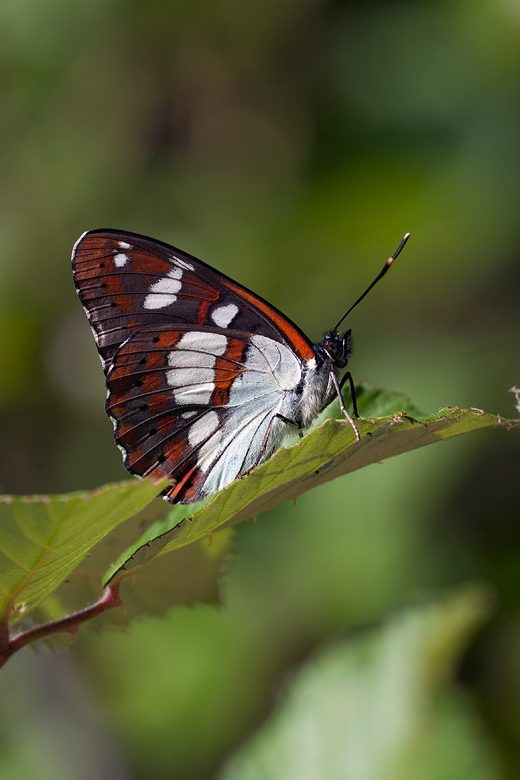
(290, 143)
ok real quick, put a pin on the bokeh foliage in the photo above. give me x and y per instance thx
(291, 144)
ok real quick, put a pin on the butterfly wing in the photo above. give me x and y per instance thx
(127, 282)
(196, 365)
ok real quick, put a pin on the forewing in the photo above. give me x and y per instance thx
(128, 283)
(198, 404)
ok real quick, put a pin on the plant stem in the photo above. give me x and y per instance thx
(10, 645)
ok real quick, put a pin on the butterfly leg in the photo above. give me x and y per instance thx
(293, 423)
(341, 402)
(348, 377)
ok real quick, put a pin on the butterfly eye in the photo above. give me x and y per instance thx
(333, 347)
(337, 348)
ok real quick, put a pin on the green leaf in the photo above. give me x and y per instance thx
(380, 706)
(375, 402)
(43, 538)
(188, 575)
(328, 452)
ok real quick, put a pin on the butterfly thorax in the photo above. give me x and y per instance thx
(316, 390)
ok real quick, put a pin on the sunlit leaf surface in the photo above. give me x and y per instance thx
(328, 452)
(43, 538)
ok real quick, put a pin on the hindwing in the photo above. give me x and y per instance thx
(198, 404)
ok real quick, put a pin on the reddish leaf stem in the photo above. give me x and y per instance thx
(10, 645)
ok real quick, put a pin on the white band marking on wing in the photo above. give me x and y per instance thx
(162, 293)
(192, 364)
(199, 341)
(224, 315)
(202, 428)
(120, 260)
(183, 264)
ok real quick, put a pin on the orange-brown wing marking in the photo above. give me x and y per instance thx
(227, 368)
(302, 348)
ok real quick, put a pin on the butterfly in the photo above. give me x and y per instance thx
(204, 377)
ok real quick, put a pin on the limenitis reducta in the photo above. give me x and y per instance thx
(204, 377)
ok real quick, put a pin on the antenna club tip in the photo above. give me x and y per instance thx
(406, 236)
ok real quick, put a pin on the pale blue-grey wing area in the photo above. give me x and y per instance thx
(250, 429)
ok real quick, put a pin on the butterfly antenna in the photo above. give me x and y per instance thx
(378, 277)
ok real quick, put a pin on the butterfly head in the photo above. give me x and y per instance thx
(335, 347)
